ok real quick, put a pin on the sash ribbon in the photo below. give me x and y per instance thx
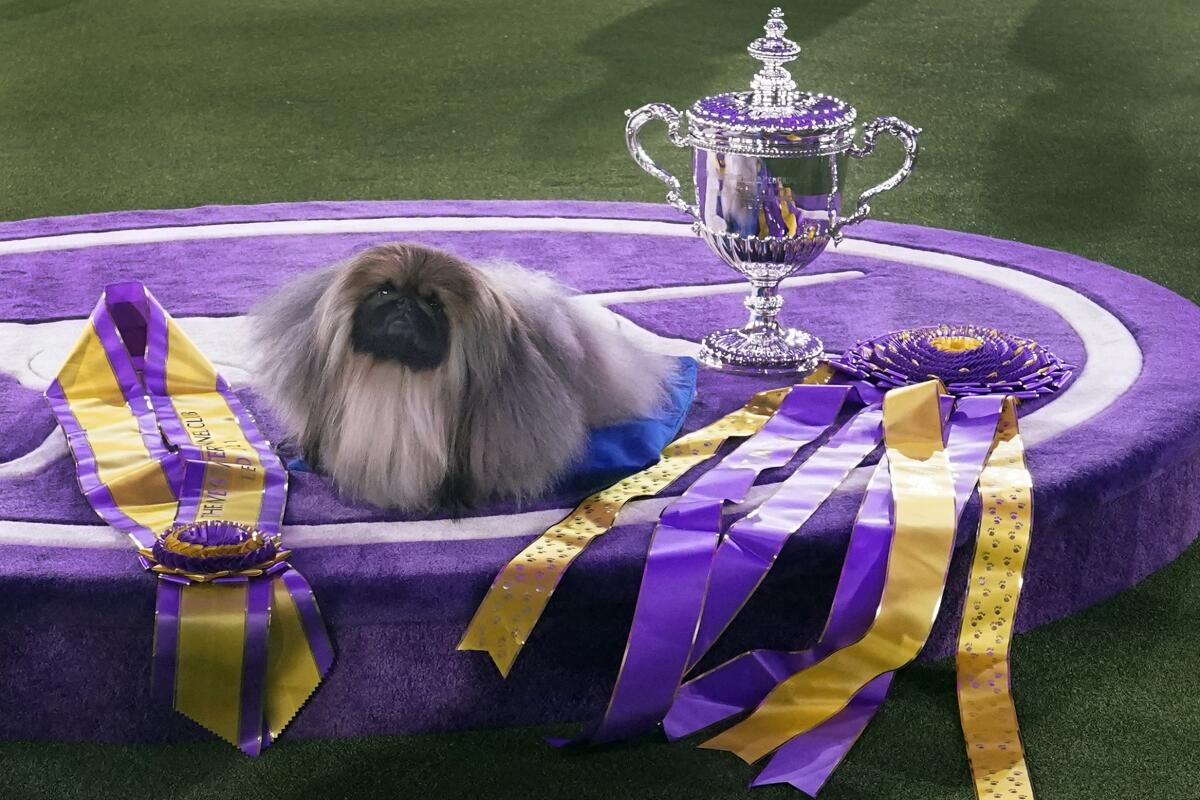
(166, 453)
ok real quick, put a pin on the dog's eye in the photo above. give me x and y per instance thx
(433, 302)
(384, 291)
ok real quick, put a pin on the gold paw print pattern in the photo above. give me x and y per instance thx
(989, 718)
(519, 594)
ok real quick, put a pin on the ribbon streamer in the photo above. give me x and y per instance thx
(923, 498)
(989, 718)
(807, 761)
(674, 581)
(984, 446)
(751, 546)
(519, 594)
(981, 426)
(166, 453)
(879, 619)
(741, 683)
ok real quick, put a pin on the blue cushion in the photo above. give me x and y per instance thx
(615, 451)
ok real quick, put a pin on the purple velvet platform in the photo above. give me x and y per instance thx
(1118, 487)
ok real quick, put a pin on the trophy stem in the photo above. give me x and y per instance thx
(762, 347)
(763, 303)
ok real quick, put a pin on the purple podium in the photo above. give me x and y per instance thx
(1115, 457)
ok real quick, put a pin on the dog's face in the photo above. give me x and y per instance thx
(401, 324)
(406, 303)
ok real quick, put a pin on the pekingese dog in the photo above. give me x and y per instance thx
(414, 379)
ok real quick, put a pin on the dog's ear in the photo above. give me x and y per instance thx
(291, 359)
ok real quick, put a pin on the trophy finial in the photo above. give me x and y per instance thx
(774, 89)
(775, 26)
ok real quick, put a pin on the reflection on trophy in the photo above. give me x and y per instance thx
(768, 166)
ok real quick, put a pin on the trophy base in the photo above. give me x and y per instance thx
(762, 351)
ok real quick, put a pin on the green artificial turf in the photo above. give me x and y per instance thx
(1065, 123)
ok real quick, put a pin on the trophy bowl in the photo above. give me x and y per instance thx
(768, 167)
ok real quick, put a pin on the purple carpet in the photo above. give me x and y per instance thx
(1118, 493)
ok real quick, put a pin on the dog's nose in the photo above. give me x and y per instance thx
(403, 303)
(401, 317)
(407, 317)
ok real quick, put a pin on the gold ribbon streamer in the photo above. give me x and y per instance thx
(292, 671)
(923, 497)
(989, 718)
(519, 594)
(208, 670)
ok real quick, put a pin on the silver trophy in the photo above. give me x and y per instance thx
(768, 166)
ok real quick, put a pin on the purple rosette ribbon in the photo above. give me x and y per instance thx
(696, 581)
(967, 359)
(252, 580)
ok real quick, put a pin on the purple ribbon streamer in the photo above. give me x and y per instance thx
(806, 762)
(743, 682)
(310, 619)
(674, 581)
(254, 665)
(751, 546)
(166, 639)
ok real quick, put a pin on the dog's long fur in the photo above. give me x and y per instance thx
(503, 415)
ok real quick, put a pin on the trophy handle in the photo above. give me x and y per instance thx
(907, 135)
(633, 127)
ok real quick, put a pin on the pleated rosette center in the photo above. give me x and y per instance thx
(967, 359)
(212, 549)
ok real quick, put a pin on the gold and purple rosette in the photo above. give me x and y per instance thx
(166, 453)
(967, 359)
(212, 550)
(228, 602)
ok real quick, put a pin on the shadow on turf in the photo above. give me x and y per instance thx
(1092, 176)
(673, 51)
(17, 10)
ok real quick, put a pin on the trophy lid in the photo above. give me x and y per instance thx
(774, 114)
